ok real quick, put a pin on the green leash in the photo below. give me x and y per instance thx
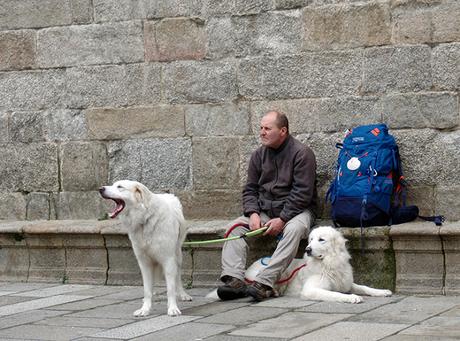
(246, 235)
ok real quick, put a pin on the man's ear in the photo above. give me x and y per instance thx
(284, 131)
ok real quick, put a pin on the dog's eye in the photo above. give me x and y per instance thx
(119, 186)
(321, 240)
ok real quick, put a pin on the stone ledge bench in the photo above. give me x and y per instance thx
(416, 257)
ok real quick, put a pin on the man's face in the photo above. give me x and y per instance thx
(270, 135)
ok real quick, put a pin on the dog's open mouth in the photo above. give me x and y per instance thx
(120, 205)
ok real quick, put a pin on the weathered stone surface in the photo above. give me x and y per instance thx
(30, 168)
(123, 268)
(424, 198)
(160, 164)
(27, 127)
(221, 38)
(18, 49)
(346, 26)
(426, 23)
(4, 127)
(447, 201)
(246, 146)
(213, 8)
(419, 258)
(267, 33)
(31, 90)
(38, 206)
(450, 235)
(86, 259)
(48, 125)
(65, 125)
(47, 258)
(429, 156)
(397, 68)
(198, 82)
(80, 205)
(211, 204)
(100, 86)
(14, 257)
(82, 11)
(287, 4)
(12, 206)
(320, 115)
(323, 145)
(236, 7)
(90, 44)
(117, 10)
(35, 13)
(446, 66)
(215, 163)
(139, 122)
(175, 39)
(173, 8)
(217, 120)
(84, 166)
(251, 6)
(311, 75)
(421, 110)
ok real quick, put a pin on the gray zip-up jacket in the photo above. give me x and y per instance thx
(281, 182)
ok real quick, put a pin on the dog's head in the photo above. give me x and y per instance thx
(124, 193)
(325, 241)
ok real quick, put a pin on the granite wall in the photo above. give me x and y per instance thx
(170, 93)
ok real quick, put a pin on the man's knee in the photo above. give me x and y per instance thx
(296, 229)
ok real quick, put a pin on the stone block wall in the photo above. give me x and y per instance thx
(170, 93)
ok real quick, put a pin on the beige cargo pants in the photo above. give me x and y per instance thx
(234, 252)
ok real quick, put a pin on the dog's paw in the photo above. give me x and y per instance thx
(355, 298)
(174, 311)
(141, 312)
(386, 293)
(185, 297)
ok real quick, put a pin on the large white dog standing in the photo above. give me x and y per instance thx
(156, 228)
(327, 274)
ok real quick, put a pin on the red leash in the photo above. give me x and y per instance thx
(234, 227)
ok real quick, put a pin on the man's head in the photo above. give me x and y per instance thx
(274, 129)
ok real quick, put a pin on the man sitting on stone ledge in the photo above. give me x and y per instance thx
(280, 193)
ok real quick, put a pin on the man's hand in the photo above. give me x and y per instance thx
(275, 227)
(254, 222)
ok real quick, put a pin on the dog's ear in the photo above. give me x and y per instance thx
(340, 243)
(139, 193)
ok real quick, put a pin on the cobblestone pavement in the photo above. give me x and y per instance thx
(44, 311)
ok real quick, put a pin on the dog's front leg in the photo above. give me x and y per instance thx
(318, 294)
(365, 290)
(170, 271)
(147, 279)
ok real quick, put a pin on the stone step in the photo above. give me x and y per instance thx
(416, 257)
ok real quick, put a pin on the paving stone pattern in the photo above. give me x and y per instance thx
(90, 312)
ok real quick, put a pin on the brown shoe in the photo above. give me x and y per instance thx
(260, 291)
(232, 289)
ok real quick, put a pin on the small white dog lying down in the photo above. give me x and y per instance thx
(324, 273)
(156, 228)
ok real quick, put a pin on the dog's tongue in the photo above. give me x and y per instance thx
(120, 206)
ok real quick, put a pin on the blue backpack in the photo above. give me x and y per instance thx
(369, 186)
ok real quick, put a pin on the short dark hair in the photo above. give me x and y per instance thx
(281, 119)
